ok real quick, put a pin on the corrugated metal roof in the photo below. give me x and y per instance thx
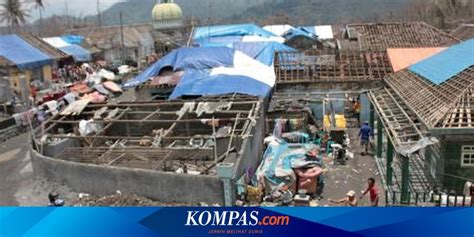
(401, 58)
(446, 64)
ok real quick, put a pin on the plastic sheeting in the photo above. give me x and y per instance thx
(77, 52)
(449, 63)
(56, 42)
(263, 51)
(228, 41)
(187, 59)
(295, 32)
(278, 29)
(312, 32)
(73, 39)
(231, 30)
(22, 54)
(422, 143)
(224, 41)
(322, 32)
(245, 76)
(201, 83)
(279, 161)
(87, 127)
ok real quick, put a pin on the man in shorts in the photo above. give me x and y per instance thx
(373, 192)
(364, 135)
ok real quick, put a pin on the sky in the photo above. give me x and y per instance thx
(75, 7)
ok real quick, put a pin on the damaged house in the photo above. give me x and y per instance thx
(172, 151)
(425, 112)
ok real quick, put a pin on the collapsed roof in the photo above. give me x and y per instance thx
(153, 135)
(346, 66)
(436, 93)
(380, 36)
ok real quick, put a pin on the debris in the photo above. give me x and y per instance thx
(83, 195)
(76, 107)
(87, 127)
(212, 107)
(254, 194)
(302, 198)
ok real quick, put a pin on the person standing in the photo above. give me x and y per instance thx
(349, 201)
(356, 108)
(364, 136)
(373, 192)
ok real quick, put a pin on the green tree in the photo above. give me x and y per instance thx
(12, 12)
(39, 4)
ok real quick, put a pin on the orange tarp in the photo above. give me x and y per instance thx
(401, 58)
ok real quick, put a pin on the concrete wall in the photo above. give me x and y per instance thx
(251, 152)
(101, 180)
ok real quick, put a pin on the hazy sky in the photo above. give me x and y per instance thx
(75, 7)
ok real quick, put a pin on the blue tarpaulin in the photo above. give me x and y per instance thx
(73, 39)
(216, 71)
(263, 51)
(225, 41)
(279, 160)
(295, 32)
(446, 64)
(202, 83)
(77, 52)
(246, 76)
(22, 54)
(230, 30)
(187, 58)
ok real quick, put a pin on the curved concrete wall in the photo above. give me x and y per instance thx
(102, 180)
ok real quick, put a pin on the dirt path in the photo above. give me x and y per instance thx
(15, 168)
(352, 176)
(19, 186)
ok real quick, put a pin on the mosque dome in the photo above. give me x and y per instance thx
(167, 10)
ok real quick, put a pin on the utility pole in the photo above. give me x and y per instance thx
(99, 20)
(67, 15)
(121, 38)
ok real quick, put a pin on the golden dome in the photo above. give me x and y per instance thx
(166, 11)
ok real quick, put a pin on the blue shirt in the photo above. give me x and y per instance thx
(365, 132)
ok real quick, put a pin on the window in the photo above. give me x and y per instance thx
(467, 156)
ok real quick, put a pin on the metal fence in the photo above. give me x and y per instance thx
(395, 198)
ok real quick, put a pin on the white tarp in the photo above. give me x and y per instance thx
(56, 42)
(278, 29)
(255, 38)
(324, 32)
